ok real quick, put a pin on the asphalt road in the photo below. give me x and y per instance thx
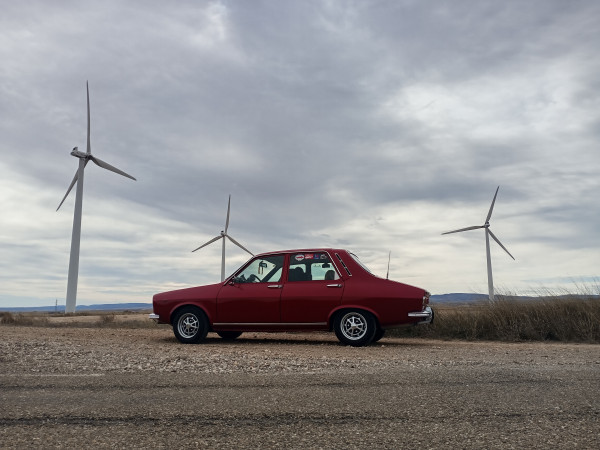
(100, 388)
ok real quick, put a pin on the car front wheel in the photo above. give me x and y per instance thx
(355, 328)
(190, 325)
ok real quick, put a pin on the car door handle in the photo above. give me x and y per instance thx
(334, 285)
(274, 286)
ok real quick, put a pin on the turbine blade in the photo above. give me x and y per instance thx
(464, 229)
(228, 209)
(69, 190)
(107, 166)
(238, 244)
(489, 216)
(89, 147)
(209, 242)
(500, 243)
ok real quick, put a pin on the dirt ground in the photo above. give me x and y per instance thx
(119, 387)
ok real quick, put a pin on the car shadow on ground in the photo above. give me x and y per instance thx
(300, 339)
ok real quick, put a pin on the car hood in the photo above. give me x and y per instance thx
(198, 292)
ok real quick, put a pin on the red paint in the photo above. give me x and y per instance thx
(280, 304)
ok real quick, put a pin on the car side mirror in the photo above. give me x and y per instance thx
(235, 280)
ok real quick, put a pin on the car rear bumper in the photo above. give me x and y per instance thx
(154, 317)
(426, 315)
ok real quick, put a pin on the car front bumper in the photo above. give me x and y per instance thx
(426, 315)
(154, 317)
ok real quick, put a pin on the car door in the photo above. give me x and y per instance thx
(253, 294)
(313, 288)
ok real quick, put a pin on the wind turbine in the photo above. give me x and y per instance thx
(84, 158)
(488, 233)
(387, 276)
(224, 235)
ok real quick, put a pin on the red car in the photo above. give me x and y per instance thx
(295, 290)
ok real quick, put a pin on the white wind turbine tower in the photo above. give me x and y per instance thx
(84, 158)
(224, 235)
(488, 233)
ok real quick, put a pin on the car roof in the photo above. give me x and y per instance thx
(305, 250)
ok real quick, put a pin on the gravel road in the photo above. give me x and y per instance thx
(104, 388)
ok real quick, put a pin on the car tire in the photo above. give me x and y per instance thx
(379, 334)
(229, 335)
(190, 325)
(355, 328)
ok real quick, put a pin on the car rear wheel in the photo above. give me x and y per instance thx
(355, 328)
(190, 325)
(229, 335)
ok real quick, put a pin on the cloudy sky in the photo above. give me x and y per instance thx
(369, 125)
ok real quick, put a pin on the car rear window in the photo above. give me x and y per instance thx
(308, 266)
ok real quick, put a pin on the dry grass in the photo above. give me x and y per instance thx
(551, 318)
(125, 319)
(565, 318)
(24, 319)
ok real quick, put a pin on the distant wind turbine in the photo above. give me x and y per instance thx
(488, 233)
(387, 276)
(84, 158)
(224, 235)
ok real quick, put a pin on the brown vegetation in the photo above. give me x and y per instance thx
(564, 318)
(550, 318)
(100, 319)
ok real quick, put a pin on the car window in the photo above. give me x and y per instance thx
(262, 270)
(311, 267)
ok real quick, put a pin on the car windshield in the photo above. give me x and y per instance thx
(355, 258)
(262, 270)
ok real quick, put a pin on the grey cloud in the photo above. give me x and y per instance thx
(319, 118)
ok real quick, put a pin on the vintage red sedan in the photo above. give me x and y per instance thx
(295, 290)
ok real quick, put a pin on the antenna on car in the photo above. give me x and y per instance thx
(387, 276)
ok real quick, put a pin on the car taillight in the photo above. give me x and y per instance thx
(426, 299)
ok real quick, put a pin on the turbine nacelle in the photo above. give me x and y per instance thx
(75, 152)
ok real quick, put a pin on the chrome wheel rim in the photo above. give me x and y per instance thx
(188, 325)
(354, 326)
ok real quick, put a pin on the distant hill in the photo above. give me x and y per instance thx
(472, 298)
(80, 308)
(443, 298)
(457, 298)
(435, 299)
